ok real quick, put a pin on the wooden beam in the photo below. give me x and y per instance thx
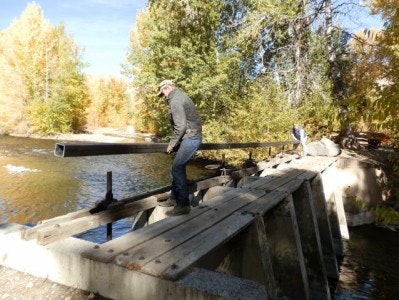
(67, 229)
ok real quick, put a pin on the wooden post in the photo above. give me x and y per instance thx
(264, 246)
(326, 237)
(285, 252)
(223, 160)
(310, 241)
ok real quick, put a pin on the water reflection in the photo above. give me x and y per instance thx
(370, 269)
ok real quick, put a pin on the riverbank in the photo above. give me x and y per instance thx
(102, 134)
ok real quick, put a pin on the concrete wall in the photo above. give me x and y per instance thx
(359, 184)
(62, 263)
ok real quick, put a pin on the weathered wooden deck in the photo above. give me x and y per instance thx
(271, 230)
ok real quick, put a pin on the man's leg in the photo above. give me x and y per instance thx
(187, 149)
(295, 148)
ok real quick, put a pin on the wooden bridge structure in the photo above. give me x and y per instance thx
(269, 231)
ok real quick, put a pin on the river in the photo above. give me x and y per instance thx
(36, 185)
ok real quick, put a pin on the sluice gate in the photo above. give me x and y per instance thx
(270, 231)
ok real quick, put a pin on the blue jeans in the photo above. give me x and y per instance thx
(187, 149)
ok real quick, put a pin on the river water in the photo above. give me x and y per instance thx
(35, 185)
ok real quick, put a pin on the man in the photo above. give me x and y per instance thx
(185, 141)
(298, 134)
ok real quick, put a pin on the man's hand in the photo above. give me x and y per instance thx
(169, 150)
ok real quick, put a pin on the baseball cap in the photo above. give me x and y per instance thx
(163, 84)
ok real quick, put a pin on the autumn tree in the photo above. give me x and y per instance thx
(44, 64)
(364, 77)
(386, 104)
(110, 104)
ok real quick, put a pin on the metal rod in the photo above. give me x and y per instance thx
(92, 149)
(109, 197)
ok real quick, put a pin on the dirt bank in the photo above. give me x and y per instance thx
(15, 285)
(103, 134)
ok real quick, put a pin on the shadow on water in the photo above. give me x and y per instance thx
(36, 185)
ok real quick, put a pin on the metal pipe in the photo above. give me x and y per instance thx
(92, 149)
(109, 197)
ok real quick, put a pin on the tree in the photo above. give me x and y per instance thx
(46, 65)
(190, 52)
(110, 104)
(387, 102)
(363, 77)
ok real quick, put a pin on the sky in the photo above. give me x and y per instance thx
(100, 27)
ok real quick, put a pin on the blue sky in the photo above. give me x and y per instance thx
(101, 27)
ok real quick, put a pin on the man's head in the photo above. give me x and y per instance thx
(165, 87)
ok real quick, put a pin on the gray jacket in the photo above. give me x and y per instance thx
(183, 117)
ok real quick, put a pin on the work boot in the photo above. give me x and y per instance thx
(179, 210)
(167, 203)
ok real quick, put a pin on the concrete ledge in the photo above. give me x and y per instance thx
(61, 262)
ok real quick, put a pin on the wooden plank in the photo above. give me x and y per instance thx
(208, 183)
(276, 161)
(66, 229)
(291, 186)
(176, 262)
(137, 257)
(108, 251)
(269, 178)
(265, 203)
(31, 233)
(269, 186)
(262, 166)
(317, 166)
